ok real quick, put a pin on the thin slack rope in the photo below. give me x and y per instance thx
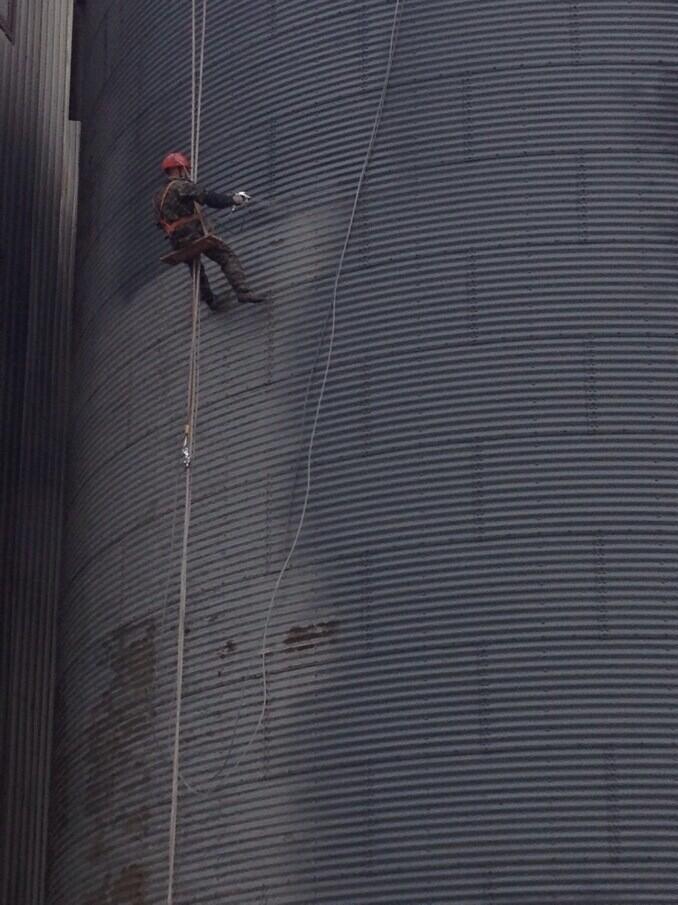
(333, 322)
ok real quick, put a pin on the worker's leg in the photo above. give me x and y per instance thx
(206, 293)
(234, 273)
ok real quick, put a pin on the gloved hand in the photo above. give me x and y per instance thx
(240, 199)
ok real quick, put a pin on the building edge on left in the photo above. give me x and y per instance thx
(38, 196)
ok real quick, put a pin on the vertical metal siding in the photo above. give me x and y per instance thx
(38, 148)
(7, 17)
(473, 659)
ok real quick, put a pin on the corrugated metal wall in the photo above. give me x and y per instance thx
(7, 17)
(38, 151)
(473, 661)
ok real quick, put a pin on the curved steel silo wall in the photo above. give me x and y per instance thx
(473, 658)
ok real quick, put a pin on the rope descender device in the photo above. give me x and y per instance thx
(186, 447)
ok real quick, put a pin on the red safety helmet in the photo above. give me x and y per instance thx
(176, 159)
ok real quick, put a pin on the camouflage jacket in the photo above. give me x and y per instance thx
(177, 199)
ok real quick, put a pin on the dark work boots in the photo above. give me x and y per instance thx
(252, 298)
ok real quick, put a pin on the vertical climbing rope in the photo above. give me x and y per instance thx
(189, 441)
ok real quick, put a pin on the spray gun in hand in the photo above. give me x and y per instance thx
(240, 199)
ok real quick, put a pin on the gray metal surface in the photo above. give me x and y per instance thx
(473, 660)
(38, 170)
(7, 17)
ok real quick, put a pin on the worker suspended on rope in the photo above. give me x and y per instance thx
(178, 211)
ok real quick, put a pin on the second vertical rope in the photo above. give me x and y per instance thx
(189, 447)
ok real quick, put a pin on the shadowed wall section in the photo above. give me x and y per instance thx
(38, 182)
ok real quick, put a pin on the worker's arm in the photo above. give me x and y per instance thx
(191, 191)
(216, 199)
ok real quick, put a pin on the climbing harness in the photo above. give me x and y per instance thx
(188, 447)
(171, 226)
(192, 250)
(204, 243)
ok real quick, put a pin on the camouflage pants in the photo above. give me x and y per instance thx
(231, 268)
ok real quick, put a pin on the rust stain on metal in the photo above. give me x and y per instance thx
(305, 637)
(130, 887)
(97, 848)
(228, 648)
(136, 821)
(119, 721)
